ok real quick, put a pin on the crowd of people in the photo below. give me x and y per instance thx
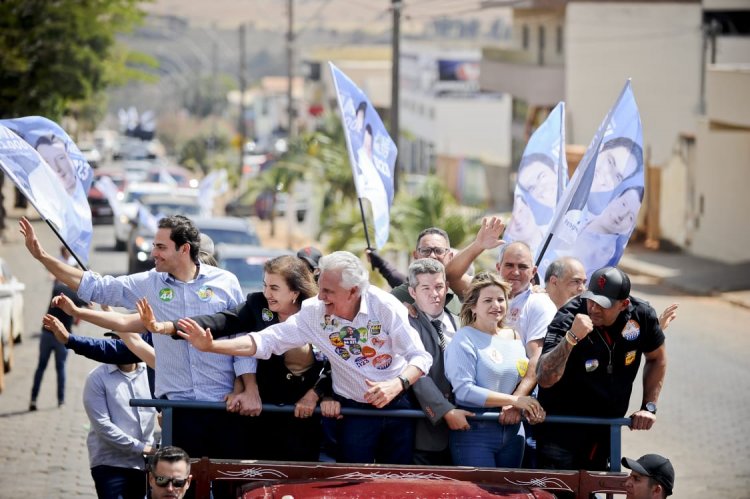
(445, 340)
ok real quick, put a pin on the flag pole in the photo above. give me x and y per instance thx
(73, 253)
(364, 222)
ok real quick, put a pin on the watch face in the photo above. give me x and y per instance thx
(651, 407)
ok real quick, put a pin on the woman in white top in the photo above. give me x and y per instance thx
(484, 363)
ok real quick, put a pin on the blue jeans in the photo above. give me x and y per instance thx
(364, 439)
(47, 345)
(488, 444)
(119, 483)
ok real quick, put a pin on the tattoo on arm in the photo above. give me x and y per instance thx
(551, 365)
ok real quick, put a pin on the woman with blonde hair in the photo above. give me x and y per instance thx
(484, 363)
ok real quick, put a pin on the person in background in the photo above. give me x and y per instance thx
(651, 477)
(169, 475)
(485, 362)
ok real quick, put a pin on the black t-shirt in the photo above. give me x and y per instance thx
(600, 371)
(66, 320)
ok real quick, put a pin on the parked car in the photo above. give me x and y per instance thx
(246, 262)
(142, 235)
(129, 209)
(228, 230)
(178, 175)
(11, 316)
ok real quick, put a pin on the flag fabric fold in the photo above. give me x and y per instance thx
(372, 152)
(598, 211)
(50, 170)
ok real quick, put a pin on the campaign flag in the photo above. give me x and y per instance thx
(42, 186)
(107, 186)
(542, 176)
(372, 152)
(212, 185)
(147, 219)
(599, 208)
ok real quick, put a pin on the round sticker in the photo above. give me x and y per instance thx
(361, 361)
(496, 356)
(166, 294)
(368, 351)
(631, 330)
(343, 353)
(374, 327)
(266, 314)
(349, 335)
(591, 365)
(521, 366)
(362, 334)
(355, 349)
(382, 361)
(335, 340)
(377, 342)
(205, 293)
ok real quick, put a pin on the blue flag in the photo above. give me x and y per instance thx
(599, 209)
(542, 176)
(372, 152)
(55, 195)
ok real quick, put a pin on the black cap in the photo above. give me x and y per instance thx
(655, 466)
(311, 255)
(607, 285)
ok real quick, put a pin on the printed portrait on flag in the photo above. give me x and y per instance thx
(372, 153)
(599, 209)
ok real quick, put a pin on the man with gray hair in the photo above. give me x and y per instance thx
(436, 326)
(381, 357)
(564, 279)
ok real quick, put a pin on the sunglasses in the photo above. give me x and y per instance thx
(427, 251)
(163, 481)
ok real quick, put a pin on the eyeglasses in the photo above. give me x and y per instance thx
(163, 481)
(427, 251)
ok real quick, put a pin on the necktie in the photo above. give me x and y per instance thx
(438, 325)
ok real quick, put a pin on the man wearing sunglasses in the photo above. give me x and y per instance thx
(170, 473)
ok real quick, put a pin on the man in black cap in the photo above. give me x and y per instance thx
(590, 359)
(652, 477)
(311, 256)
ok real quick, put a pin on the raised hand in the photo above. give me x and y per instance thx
(65, 304)
(669, 314)
(197, 336)
(147, 317)
(52, 323)
(489, 233)
(30, 239)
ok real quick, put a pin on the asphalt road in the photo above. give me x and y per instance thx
(702, 423)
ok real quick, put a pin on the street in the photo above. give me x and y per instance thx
(702, 423)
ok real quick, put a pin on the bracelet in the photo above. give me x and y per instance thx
(571, 338)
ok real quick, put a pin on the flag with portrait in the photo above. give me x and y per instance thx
(52, 173)
(599, 208)
(372, 152)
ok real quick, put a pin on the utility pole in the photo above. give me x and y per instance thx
(395, 77)
(242, 124)
(290, 68)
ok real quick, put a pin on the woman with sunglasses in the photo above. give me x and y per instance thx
(484, 363)
(288, 379)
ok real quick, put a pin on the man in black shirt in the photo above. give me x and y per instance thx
(590, 359)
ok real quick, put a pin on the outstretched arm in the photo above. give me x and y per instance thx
(668, 315)
(115, 321)
(203, 340)
(67, 274)
(488, 237)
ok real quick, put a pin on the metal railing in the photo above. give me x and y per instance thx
(167, 406)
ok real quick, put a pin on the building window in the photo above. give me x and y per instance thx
(524, 37)
(559, 39)
(542, 43)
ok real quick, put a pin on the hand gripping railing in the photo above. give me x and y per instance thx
(167, 407)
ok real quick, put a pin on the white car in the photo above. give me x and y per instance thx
(11, 316)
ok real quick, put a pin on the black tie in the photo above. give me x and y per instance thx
(438, 325)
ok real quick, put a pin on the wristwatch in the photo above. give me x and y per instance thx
(650, 407)
(404, 382)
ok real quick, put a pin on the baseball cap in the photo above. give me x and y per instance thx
(608, 285)
(655, 466)
(311, 255)
(206, 245)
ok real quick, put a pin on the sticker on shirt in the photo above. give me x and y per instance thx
(362, 335)
(521, 366)
(591, 365)
(355, 349)
(343, 353)
(266, 315)
(336, 340)
(630, 357)
(349, 335)
(166, 294)
(319, 355)
(496, 356)
(377, 341)
(513, 315)
(374, 327)
(361, 361)
(368, 352)
(205, 293)
(329, 322)
(631, 330)
(382, 361)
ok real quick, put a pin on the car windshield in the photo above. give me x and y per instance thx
(166, 208)
(232, 237)
(249, 271)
